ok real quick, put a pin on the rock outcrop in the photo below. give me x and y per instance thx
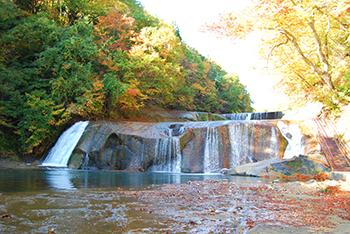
(202, 146)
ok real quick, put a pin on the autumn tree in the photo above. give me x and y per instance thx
(70, 60)
(155, 56)
(305, 43)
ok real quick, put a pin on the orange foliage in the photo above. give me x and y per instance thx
(133, 92)
(117, 26)
(318, 177)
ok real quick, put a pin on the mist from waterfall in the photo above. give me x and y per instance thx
(59, 154)
(167, 155)
(211, 151)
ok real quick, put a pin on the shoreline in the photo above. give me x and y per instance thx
(223, 206)
(18, 165)
(219, 206)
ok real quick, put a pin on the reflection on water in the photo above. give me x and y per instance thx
(60, 179)
(38, 180)
(72, 201)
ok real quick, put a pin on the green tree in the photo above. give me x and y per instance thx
(19, 48)
(233, 93)
(69, 60)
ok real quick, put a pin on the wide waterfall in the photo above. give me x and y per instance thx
(189, 147)
(167, 155)
(61, 152)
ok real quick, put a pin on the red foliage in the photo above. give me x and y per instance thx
(133, 92)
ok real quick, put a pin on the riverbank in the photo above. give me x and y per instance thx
(219, 206)
(208, 206)
(11, 161)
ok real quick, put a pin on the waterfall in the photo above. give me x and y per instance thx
(238, 116)
(61, 152)
(293, 135)
(240, 140)
(247, 145)
(85, 162)
(167, 155)
(254, 116)
(211, 151)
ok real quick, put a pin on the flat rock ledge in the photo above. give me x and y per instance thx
(276, 167)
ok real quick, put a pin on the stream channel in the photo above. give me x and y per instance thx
(81, 201)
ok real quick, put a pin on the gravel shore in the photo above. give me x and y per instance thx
(220, 206)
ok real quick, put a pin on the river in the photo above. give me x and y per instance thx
(76, 201)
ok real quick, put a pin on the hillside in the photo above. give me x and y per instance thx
(70, 60)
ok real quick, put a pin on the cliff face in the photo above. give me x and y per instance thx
(181, 146)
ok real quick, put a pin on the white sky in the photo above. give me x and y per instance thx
(239, 57)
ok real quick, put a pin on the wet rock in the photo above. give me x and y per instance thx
(177, 129)
(6, 216)
(282, 167)
(300, 165)
(261, 168)
(186, 170)
(134, 146)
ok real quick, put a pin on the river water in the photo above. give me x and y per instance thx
(76, 201)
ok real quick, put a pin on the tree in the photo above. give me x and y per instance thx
(305, 42)
(235, 97)
(155, 58)
(62, 61)
(9, 15)
(19, 49)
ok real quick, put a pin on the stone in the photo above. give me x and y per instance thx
(133, 146)
(282, 167)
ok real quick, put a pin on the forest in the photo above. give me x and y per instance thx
(62, 61)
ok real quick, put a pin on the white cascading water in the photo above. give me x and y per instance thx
(240, 140)
(211, 151)
(293, 135)
(62, 150)
(243, 144)
(168, 155)
(239, 116)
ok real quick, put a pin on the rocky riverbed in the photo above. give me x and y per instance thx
(220, 206)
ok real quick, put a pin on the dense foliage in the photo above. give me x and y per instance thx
(306, 44)
(68, 60)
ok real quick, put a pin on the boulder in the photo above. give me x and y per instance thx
(302, 165)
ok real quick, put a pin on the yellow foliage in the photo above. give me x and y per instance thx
(206, 67)
(158, 42)
(305, 42)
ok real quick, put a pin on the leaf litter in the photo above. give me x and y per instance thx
(221, 206)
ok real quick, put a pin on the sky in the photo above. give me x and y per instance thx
(238, 57)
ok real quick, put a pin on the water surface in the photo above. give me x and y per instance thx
(76, 201)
